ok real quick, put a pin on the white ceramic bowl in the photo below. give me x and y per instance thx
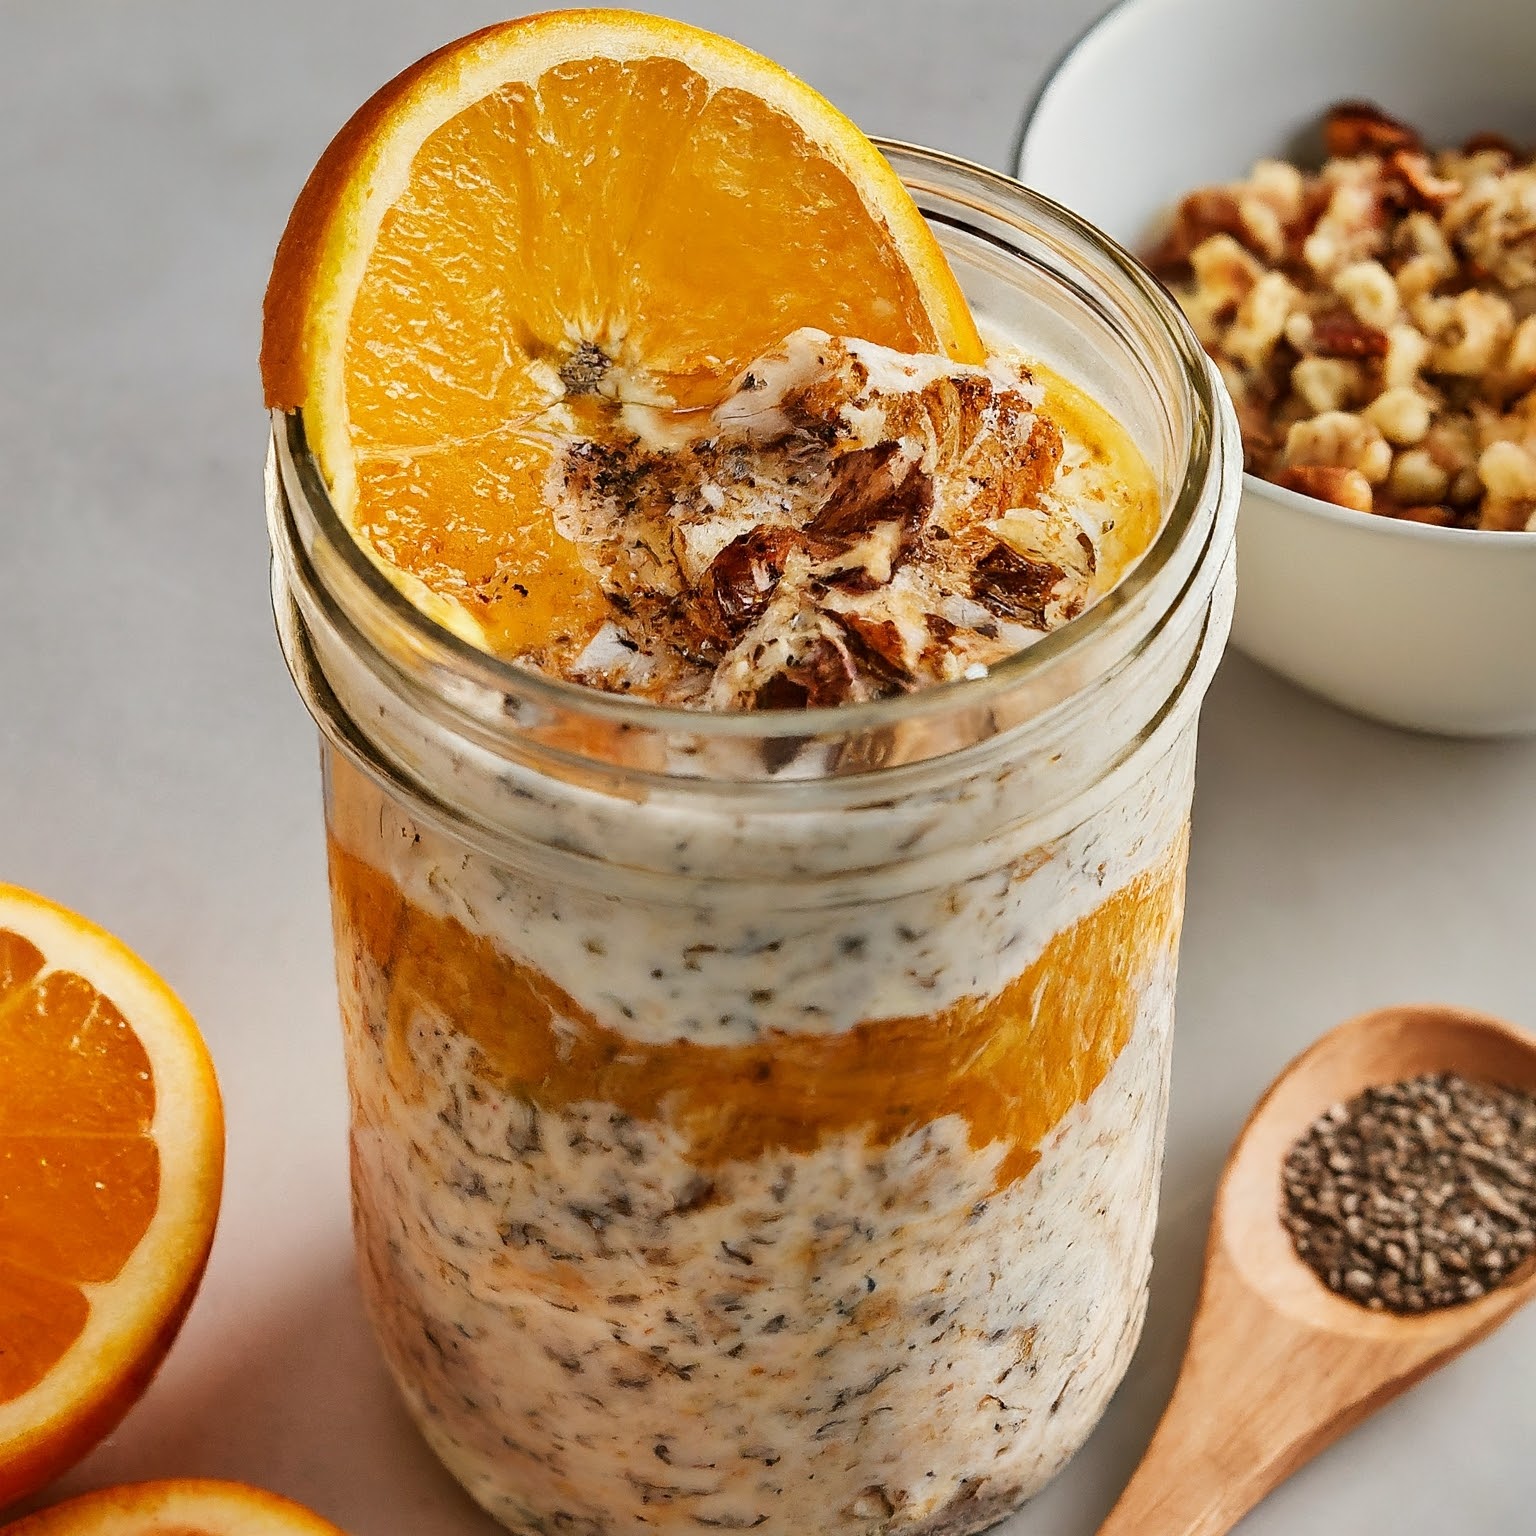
(1430, 628)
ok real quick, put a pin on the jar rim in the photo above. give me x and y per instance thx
(959, 182)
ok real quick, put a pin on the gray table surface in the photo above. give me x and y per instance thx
(158, 772)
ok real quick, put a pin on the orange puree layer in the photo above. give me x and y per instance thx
(1012, 1065)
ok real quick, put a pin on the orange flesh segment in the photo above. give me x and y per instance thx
(539, 596)
(39, 1319)
(190, 1506)
(1011, 1066)
(20, 961)
(681, 229)
(79, 1173)
(1132, 491)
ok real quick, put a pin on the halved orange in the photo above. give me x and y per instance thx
(543, 222)
(189, 1506)
(111, 1164)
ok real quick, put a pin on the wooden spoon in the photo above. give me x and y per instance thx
(1278, 1366)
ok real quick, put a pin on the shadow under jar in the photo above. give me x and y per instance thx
(757, 1119)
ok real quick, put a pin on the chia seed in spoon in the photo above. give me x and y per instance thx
(1416, 1195)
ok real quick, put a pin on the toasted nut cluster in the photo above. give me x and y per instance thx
(1375, 321)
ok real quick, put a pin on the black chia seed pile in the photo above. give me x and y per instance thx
(1416, 1195)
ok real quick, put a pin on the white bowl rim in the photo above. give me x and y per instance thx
(1389, 527)
(1053, 70)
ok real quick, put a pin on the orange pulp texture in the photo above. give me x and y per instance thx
(111, 1164)
(190, 1506)
(79, 1173)
(608, 181)
(1011, 1065)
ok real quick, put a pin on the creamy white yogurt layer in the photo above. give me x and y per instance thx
(721, 974)
(847, 524)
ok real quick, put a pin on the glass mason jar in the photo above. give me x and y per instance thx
(757, 1119)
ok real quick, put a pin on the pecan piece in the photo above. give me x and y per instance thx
(968, 397)
(1315, 197)
(825, 673)
(1361, 128)
(1415, 183)
(781, 692)
(1506, 514)
(871, 486)
(1328, 482)
(1340, 334)
(940, 632)
(878, 645)
(1010, 583)
(1261, 437)
(1203, 213)
(1435, 516)
(1480, 143)
(741, 580)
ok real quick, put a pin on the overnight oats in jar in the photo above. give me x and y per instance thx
(757, 797)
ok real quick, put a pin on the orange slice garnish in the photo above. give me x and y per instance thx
(111, 1162)
(176, 1507)
(552, 218)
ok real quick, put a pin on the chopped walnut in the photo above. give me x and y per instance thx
(1452, 443)
(1424, 256)
(1402, 415)
(1371, 292)
(1508, 471)
(1477, 335)
(1279, 186)
(1375, 319)
(1520, 360)
(1343, 487)
(1350, 228)
(1342, 439)
(1226, 270)
(1494, 221)
(1260, 319)
(849, 523)
(1327, 383)
(1416, 479)
(1408, 351)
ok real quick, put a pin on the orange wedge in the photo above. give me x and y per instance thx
(538, 225)
(178, 1507)
(111, 1161)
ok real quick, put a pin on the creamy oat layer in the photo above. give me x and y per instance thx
(755, 1217)
(844, 1340)
(849, 523)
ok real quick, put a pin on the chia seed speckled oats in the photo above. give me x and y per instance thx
(605, 1319)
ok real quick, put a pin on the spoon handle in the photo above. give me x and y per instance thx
(1258, 1395)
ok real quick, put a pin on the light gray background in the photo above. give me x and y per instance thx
(158, 772)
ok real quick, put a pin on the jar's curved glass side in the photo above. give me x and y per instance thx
(709, 1233)
(713, 1222)
(716, 1107)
